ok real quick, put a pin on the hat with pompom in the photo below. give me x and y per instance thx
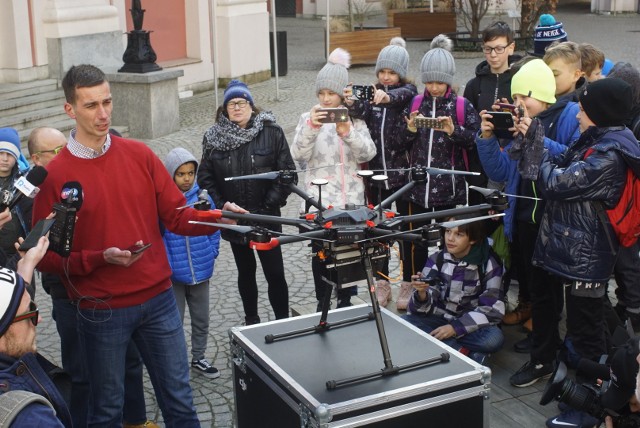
(11, 291)
(547, 32)
(236, 89)
(334, 75)
(437, 64)
(394, 57)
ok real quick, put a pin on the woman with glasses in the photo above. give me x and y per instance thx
(243, 141)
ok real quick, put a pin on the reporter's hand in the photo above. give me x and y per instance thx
(30, 258)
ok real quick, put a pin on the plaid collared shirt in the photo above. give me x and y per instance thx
(84, 152)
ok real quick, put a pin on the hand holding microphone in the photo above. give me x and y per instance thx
(23, 186)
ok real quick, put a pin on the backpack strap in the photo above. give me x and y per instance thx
(12, 402)
(460, 115)
(415, 103)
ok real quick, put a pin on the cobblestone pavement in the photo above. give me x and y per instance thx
(617, 35)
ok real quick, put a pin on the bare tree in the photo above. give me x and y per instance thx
(472, 12)
(530, 13)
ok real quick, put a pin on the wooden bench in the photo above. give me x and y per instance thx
(363, 45)
(423, 24)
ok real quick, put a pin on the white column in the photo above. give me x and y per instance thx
(15, 41)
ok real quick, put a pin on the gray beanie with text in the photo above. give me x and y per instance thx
(394, 57)
(437, 64)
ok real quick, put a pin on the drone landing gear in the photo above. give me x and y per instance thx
(323, 326)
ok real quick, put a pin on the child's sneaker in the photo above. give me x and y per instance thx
(404, 295)
(205, 368)
(383, 292)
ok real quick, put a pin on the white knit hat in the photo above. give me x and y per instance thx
(334, 75)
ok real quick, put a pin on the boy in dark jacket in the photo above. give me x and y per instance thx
(576, 241)
(191, 259)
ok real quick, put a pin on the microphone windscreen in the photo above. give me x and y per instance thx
(72, 194)
(36, 175)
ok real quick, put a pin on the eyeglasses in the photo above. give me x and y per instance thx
(498, 49)
(239, 104)
(54, 151)
(33, 314)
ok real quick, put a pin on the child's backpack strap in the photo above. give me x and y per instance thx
(415, 103)
(12, 402)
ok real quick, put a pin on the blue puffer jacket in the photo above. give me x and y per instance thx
(192, 257)
(500, 167)
(30, 373)
(573, 240)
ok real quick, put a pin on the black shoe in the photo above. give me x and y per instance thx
(252, 320)
(530, 373)
(344, 302)
(523, 346)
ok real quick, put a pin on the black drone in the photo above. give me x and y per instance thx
(354, 242)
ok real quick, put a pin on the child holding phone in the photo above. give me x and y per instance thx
(192, 259)
(332, 151)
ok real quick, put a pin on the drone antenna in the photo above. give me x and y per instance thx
(319, 182)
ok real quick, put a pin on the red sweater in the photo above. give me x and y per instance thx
(126, 191)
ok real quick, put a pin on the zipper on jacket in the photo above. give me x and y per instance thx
(384, 158)
(193, 273)
(535, 203)
(431, 130)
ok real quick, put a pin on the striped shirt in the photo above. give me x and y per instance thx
(83, 152)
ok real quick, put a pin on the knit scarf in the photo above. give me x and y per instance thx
(226, 135)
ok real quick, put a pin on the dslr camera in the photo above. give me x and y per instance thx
(584, 397)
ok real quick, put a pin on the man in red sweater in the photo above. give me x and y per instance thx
(120, 296)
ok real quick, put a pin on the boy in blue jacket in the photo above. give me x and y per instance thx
(532, 89)
(191, 259)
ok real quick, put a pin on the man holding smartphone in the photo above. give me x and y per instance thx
(121, 297)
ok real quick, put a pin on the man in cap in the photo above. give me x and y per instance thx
(21, 368)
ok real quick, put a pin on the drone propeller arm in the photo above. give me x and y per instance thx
(444, 213)
(261, 218)
(274, 242)
(307, 198)
(395, 196)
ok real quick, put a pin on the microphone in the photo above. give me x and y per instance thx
(61, 234)
(23, 186)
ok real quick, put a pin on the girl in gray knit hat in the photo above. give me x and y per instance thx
(393, 92)
(441, 147)
(332, 151)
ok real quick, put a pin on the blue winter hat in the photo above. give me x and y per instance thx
(10, 143)
(547, 32)
(236, 89)
(11, 291)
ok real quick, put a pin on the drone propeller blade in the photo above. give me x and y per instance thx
(489, 192)
(234, 227)
(271, 175)
(484, 191)
(456, 223)
(433, 171)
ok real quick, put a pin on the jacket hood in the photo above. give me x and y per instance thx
(483, 68)
(622, 140)
(177, 157)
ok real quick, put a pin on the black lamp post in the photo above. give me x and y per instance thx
(139, 57)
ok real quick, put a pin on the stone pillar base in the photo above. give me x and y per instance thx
(147, 103)
(104, 50)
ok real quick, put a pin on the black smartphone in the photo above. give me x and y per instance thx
(427, 122)
(362, 92)
(138, 248)
(335, 115)
(40, 229)
(502, 120)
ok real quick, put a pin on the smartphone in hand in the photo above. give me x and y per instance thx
(363, 92)
(501, 120)
(427, 122)
(334, 115)
(39, 230)
(138, 248)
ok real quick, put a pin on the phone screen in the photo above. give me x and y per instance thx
(138, 248)
(40, 229)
